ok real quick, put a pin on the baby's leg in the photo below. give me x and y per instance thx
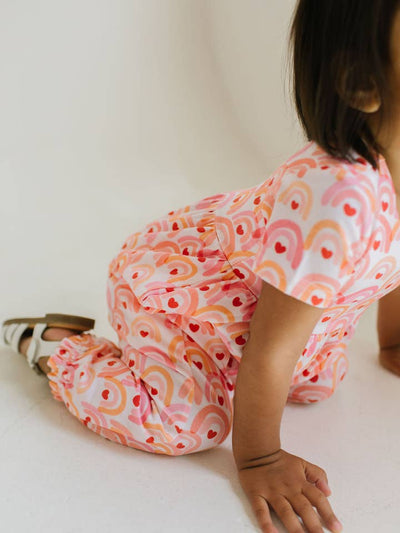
(159, 391)
(322, 385)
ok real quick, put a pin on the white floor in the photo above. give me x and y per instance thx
(56, 475)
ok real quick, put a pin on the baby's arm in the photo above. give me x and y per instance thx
(279, 330)
(388, 323)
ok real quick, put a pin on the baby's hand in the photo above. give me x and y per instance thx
(290, 485)
(389, 358)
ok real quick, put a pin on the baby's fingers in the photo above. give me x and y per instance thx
(324, 508)
(261, 510)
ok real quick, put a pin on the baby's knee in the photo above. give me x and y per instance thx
(208, 429)
(304, 393)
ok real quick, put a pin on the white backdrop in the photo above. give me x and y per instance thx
(116, 112)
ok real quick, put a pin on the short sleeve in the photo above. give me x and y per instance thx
(315, 235)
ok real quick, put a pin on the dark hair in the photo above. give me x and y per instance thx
(332, 41)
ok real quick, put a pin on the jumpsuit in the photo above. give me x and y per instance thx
(181, 293)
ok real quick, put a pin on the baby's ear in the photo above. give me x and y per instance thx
(364, 99)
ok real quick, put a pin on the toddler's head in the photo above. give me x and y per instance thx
(346, 74)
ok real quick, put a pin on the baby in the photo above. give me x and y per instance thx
(230, 307)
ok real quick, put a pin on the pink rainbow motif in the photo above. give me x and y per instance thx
(384, 268)
(97, 417)
(386, 195)
(343, 193)
(271, 271)
(309, 284)
(381, 237)
(298, 189)
(212, 415)
(291, 232)
(300, 167)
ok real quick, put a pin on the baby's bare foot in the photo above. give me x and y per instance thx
(49, 334)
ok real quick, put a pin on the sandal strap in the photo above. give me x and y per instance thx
(39, 347)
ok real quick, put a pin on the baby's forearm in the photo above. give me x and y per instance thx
(262, 388)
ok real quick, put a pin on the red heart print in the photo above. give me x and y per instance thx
(144, 333)
(304, 351)
(131, 362)
(219, 355)
(194, 327)
(305, 372)
(105, 394)
(220, 400)
(384, 205)
(294, 204)
(180, 445)
(205, 288)
(175, 226)
(230, 362)
(350, 211)
(326, 253)
(257, 200)
(150, 440)
(154, 391)
(239, 230)
(378, 275)
(136, 400)
(199, 364)
(174, 271)
(135, 275)
(178, 429)
(81, 374)
(150, 230)
(185, 251)
(314, 379)
(240, 340)
(211, 434)
(124, 304)
(62, 351)
(237, 301)
(315, 300)
(186, 358)
(279, 248)
(238, 273)
(229, 385)
(171, 212)
(376, 244)
(201, 229)
(173, 303)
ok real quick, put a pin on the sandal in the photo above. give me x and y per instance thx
(14, 329)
